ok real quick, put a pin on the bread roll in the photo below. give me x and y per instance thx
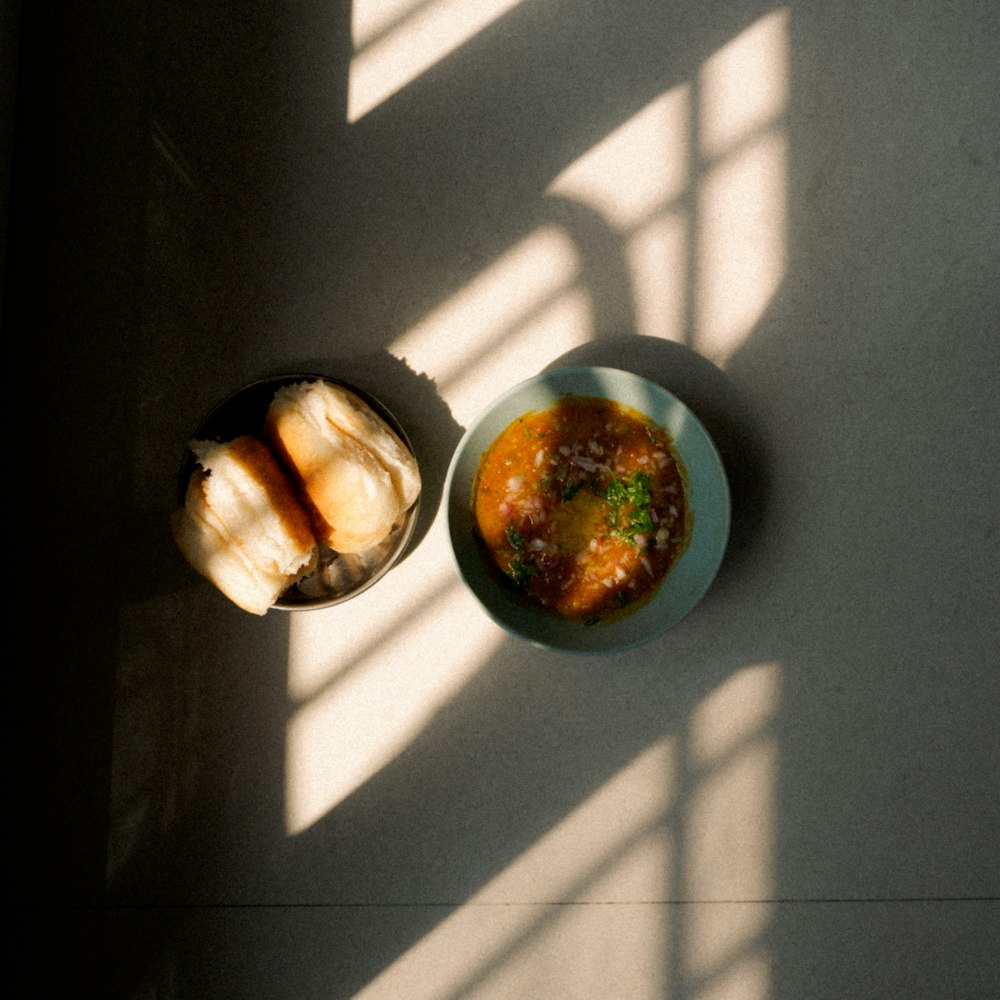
(241, 526)
(356, 476)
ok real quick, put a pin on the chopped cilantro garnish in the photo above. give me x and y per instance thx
(521, 571)
(515, 537)
(571, 489)
(641, 521)
(616, 493)
(631, 506)
(639, 493)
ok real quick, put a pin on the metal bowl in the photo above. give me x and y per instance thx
(338, 577)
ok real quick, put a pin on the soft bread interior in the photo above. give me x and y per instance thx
(208, 548)
(356, 476)
(241, 526)
(247, 491)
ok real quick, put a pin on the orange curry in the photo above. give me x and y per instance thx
(582, 506)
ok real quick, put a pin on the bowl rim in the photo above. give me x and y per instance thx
(552, 632)
(215, 418)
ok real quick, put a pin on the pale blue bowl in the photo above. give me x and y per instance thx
(707, 497)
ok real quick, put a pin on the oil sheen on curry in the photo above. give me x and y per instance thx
(582, 507)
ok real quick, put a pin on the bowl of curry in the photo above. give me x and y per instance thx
(588, 510)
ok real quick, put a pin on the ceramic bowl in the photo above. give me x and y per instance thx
(707, 494)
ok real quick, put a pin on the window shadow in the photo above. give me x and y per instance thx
(285, 239)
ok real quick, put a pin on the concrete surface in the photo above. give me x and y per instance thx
(789, 215)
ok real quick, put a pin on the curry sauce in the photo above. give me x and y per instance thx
(582, 506)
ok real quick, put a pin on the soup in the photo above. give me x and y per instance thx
(582, 507)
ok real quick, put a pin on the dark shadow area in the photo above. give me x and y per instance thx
(190, 212)
(70, 314)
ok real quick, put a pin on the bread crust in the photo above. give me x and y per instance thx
(241, 526)
(356, 478)
(355, 418)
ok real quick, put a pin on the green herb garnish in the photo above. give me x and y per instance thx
(521, 571)
(631, 502)
(571, 489)
(515, 537)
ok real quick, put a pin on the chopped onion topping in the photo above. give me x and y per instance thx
(585, 463)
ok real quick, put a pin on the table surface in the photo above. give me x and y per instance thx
(787, 215)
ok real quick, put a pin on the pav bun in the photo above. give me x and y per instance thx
(241, 526)
(356, 478)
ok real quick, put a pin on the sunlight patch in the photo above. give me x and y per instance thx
(730, 824)
(357, 701)
(744, 86)
(696, 185)
(637, 170)
(657, 256)
(513, 318)
(613, 848)
(741, 257)
(392, 51)
(742, 230)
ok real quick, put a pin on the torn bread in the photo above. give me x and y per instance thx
(356, 476)
(242, 526)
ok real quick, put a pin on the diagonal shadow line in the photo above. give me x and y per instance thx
(470, 826)
(343, 670)
(408, 16)
(601, 273)
(377, 139)
(384, 153)
(483, 98)
(554, 909)
(677, 983)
